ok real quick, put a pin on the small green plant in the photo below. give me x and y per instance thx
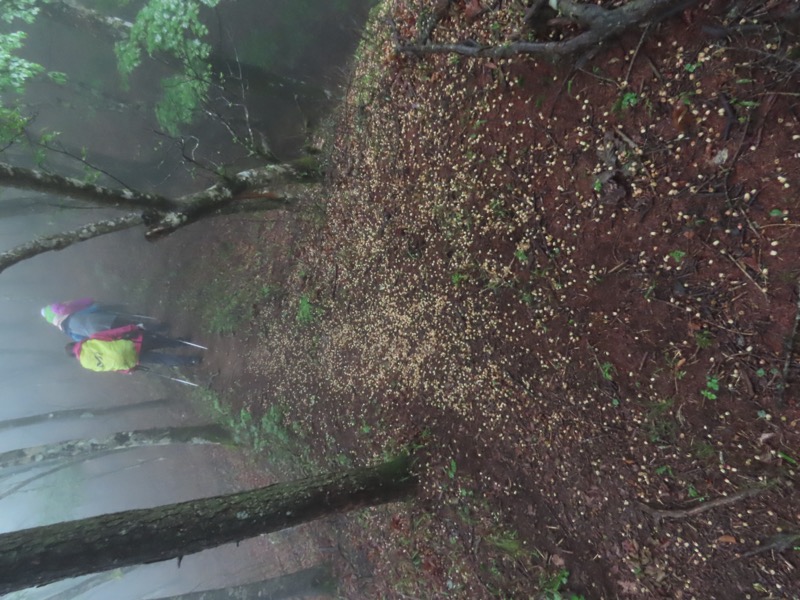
(607, 371)
(451, 468)
(677, 255)
(711, 389)
(458, 278)
(508, 542)
(660, 424)
(597, 186)
(521, 255)
(306, 312)
(498, 208)
(691, 67)
(664, 470)
(703, 450)
(703, 338)
(692, 492)
(627, 101)
(551, 585)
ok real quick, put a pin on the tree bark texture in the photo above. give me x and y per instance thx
(41, 555)
(200, 434)
(315, 581)
(58, 185)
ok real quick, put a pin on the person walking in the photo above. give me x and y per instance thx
(124, 349)
(82, 318)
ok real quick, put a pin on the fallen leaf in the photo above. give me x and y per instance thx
(472, 9)
(682, 118)
(726, 539)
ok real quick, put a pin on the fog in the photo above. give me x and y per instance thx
(116, 129)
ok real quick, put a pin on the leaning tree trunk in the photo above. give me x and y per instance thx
(38, 455)
(314, 581)
(41, 555)
(79, 413)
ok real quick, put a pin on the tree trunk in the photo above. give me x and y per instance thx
(266, 188)
(78, 413)
(41, 555)
(314, 581)
(200, 434)
(49, 183)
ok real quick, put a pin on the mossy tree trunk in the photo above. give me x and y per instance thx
(41, 555)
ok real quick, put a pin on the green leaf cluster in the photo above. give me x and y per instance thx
(14, 70)
(172, 28)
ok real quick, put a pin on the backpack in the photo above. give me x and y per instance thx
(108, 355)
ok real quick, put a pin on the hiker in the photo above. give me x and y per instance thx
(82, 318)
(125, 348)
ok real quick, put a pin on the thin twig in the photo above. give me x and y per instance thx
(683, 513)
(789, 348)
(635, 54)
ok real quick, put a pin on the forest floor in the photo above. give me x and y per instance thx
(574, 291)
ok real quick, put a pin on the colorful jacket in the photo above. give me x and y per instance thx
(112, 350)
(56, 313)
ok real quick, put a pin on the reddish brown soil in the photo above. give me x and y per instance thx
(573, 290)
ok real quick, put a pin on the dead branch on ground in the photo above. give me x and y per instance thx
(599, 26)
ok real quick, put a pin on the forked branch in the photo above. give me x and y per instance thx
(599, 26)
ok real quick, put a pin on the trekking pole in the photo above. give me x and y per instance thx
(183, 381)
(193, 345)
(122, 314)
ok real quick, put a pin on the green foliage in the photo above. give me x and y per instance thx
(23, 10)
(711, 389)
(458, 278)
(172, 28)
(703, 338)
(607, 371)
(15, 71)
(551, 586)
(182, 95)
(627, 101)
(11, 125)
(306, 312)
(677, 255)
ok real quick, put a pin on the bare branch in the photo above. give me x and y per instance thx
(602, 24)
(66, 239)
(266, 188)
